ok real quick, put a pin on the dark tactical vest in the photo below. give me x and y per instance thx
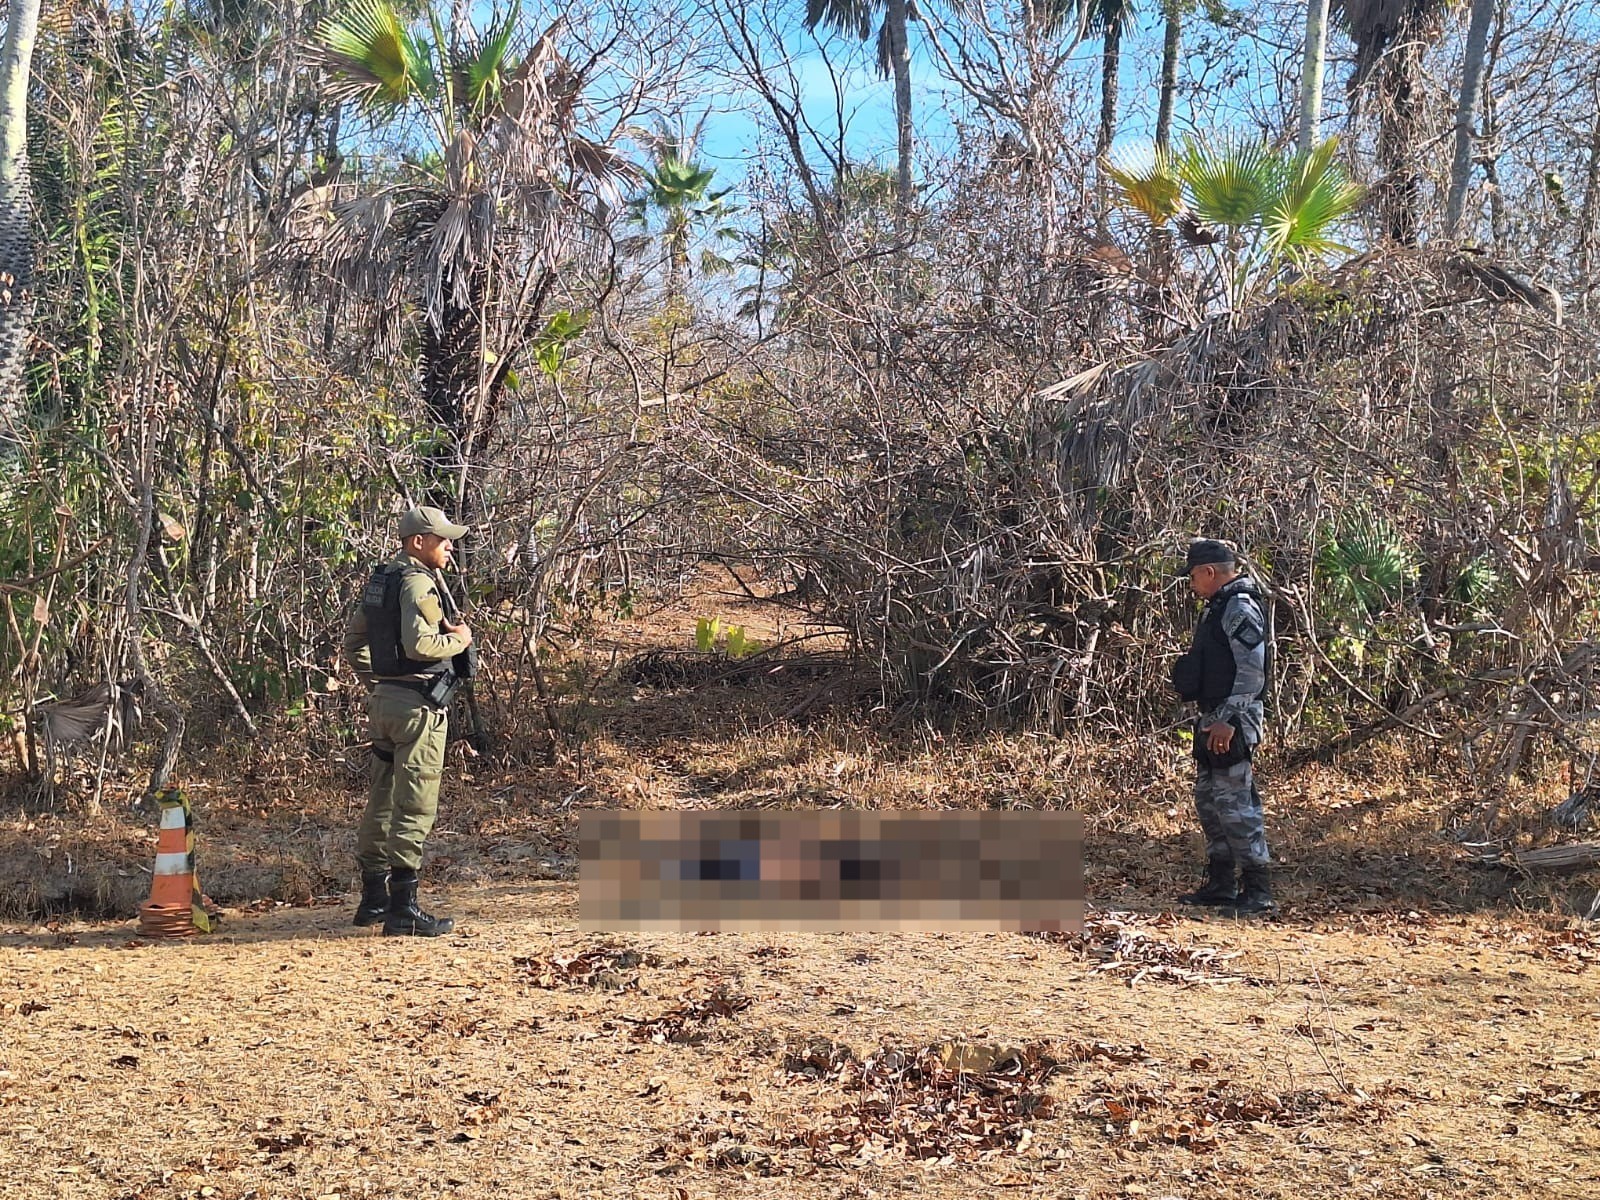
(381, 602)
(1207, 671)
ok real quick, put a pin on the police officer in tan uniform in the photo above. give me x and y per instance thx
(400, 643)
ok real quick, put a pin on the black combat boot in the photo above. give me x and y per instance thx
(1255, 894)
(405, 919)
(1218, 889)
(374, 905)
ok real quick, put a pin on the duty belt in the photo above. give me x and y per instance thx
(422, 688)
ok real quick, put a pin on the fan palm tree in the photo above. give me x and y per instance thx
(472, 233)
(677, 192)
(856, 18)
(1256, 208)
(16, 223)
(1390, 39)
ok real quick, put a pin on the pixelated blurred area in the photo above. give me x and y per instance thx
(831, 871)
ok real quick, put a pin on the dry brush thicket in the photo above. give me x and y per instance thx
(1009, 539)
(973, 436)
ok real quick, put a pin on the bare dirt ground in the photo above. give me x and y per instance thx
(1411, 1026)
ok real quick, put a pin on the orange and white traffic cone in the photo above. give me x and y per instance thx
(176, 908)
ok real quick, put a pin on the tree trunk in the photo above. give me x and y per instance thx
(1577, 856)
(1110, 62)
(1489, 142)
(1169, 72)
(16, 216)
(1401, 194)
(677, 237)
(449, 368)
(1314, 59)
(1466, 107)
(1161, 248)
(895, 57)
(1587, 232)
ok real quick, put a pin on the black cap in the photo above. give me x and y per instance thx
(1207, 552)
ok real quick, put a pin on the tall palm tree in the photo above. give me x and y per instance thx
(16, 218)
(471, 234)
(677, 193)
(1109, 20)
(1466, 109)
(1171, 46)
(1313, 60)
(1390, 39)
(856, 18)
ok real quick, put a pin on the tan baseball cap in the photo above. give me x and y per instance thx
(429, 520)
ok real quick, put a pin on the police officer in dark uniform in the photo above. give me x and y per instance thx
(1225, 672)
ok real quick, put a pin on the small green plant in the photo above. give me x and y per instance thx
(1476, 584)
(1364, 564)
(560, 332)
(705, 634)
(734, 642)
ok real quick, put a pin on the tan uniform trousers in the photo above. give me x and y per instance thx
(408, 742)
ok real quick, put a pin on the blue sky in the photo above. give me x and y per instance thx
(733, 126)
(732, 131)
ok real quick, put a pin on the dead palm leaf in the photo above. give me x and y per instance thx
(106, 710)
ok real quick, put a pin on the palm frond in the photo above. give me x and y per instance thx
(1314, 196)
(481, 76)
(885, 55)
(526, 94)
(105, 710)
(1476, 584)
(714, 264)
(600, 168)
(1148, 184)
(373, 58)
(1364, 563)
(1231, 183)
(1103, 17)
(853, 18)
(1054, 16)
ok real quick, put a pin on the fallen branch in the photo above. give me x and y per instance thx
(1576, 856)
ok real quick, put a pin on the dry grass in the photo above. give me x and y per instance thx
(1412, 1026)
(293, 1056)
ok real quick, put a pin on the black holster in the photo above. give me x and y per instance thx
(442, 690)
(1239, 750)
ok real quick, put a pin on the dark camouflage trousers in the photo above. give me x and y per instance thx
(1230, 813)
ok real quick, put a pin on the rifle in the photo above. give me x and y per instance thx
(464, 669)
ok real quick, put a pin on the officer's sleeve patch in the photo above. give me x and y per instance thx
(428, 606)
(1248, 627)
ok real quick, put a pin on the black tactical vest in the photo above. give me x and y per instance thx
(381, 602)
(1206, 673)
